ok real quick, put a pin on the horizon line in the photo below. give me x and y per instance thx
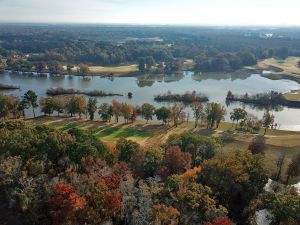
(149, 24)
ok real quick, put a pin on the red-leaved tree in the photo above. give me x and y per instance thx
(110, 182)
(176, 161)
(220, 221)
(64, 203)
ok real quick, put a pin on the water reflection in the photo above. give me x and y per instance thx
(150, 79)
(144, 88)
(275, 107)
(220, 76)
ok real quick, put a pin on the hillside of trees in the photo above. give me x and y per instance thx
(49, 176)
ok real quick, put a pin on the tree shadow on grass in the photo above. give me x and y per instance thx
(121, 131)
(206, 132)
(129, 132)
(68, 126)
(106, 131)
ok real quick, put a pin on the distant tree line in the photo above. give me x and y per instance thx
(55, 52)
(215, 61)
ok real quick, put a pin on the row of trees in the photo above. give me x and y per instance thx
(12, 106)
(52, 67)
(210, 114)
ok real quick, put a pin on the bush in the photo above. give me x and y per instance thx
(258, 145)
(227, 136)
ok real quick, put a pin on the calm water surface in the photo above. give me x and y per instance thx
(215, 86)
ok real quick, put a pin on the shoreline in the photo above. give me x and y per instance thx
(271, 68)
(278, 69)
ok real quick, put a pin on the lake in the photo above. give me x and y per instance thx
(215, 86)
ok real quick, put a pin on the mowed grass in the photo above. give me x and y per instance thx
(114, 69)
(150, 134)
(288, 65)
(293, 95)
(107, 132)
(106, 70)
(155, 134)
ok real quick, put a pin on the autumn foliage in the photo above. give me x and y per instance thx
(112, 203)
(176, 161)
(110, 182)
(128, 183)
(65, 203)
(161, 214)
(220, 221)
(112, 197)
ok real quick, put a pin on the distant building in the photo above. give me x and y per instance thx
(266, 36)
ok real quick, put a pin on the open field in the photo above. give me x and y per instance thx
(154, 133)
(118, 70)
(107, 70)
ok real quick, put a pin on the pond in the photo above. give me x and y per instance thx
(215, 86)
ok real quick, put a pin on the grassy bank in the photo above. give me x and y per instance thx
(281, 69)
(287, 66)
(293, 95)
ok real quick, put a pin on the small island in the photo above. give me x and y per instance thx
(72, 91)
(188, 97)
(269, 99)
(8, 87)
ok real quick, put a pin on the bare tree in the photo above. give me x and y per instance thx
(279, 164)
(197, 108)
(176, 110)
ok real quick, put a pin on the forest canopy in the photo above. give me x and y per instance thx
(27, 46)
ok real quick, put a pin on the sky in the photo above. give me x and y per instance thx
(179, 12)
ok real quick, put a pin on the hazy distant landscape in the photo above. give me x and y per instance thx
(139, 113)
